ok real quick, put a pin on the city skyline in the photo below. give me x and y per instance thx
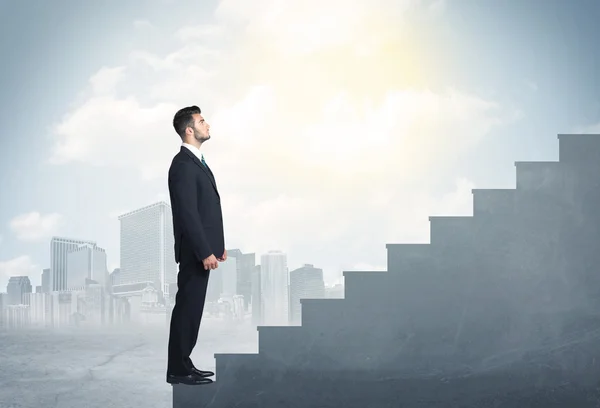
(37, 280)
(78, 288)
(78, 243)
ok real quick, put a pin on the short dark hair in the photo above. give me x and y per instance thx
(183, 119)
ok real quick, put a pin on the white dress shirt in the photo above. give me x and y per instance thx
(194, 150)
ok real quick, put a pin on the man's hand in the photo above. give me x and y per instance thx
(210, 263)
(223, 258)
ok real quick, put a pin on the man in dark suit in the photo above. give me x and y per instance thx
(199, 242)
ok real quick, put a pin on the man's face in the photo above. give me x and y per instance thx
(201, 128)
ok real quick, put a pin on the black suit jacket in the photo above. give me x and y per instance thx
(196, 206)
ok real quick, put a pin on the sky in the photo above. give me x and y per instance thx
(337, 127)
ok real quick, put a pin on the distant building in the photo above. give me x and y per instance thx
(87, 262)
(305, 283)
(274, 281)
(228, 272)
(16, 288)
(37, 308)
(114, 277)
(59, 248)
(3, 310)
(46, 280)
(257, 304)
(245, 264)
(147, 243)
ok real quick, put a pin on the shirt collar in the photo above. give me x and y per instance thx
(194, 150)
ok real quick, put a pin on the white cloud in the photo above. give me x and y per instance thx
(325, 141)
(142, 24)
(109, 132)
(106, 79)
(20, 266)
(34, 226)
(202, 32)
(588, 129)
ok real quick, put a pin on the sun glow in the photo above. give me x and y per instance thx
(339, 93)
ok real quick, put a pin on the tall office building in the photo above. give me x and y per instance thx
(59, 248)
(3, 310)
(85, 263)
(274, 281)
(46, 280)
(17, 287)
(228, 271)
(113, 277)
(215, 286)
(257, 304)
(37, 307)
(305, 283)
(245, 264)
(147, 247)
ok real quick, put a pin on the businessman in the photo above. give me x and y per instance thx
(199, 242)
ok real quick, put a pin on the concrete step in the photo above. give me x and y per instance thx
(451, 230)
(408, 257)
(582, 150)
(279, 342)
(322, 312)
(362, 285)
(544, 176)
(494, 201)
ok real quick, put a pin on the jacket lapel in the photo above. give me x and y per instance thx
(199, 164)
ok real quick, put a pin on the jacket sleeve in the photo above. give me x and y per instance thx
(184, 193)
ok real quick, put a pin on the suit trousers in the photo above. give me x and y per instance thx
(192, 283)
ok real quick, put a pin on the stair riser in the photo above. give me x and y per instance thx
(494, 202)
(363, 286)
(406, 258)
(451, 232)
(579, 150)
(539, 176)
(280, 343)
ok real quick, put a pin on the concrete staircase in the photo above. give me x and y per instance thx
(500, 308)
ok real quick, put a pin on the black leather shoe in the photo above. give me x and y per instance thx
(190, 379)
(202, 373)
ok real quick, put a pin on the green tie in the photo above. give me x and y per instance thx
(203, 162)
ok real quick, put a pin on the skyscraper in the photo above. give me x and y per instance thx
(59, 248)
(16, 288)
(245, 264)
(46, 280)
(228, 271)
(305, 283)
(147, 247)
(274, 281)
(257, 303)
(86, 262)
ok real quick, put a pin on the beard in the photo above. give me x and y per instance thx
(199, 137)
